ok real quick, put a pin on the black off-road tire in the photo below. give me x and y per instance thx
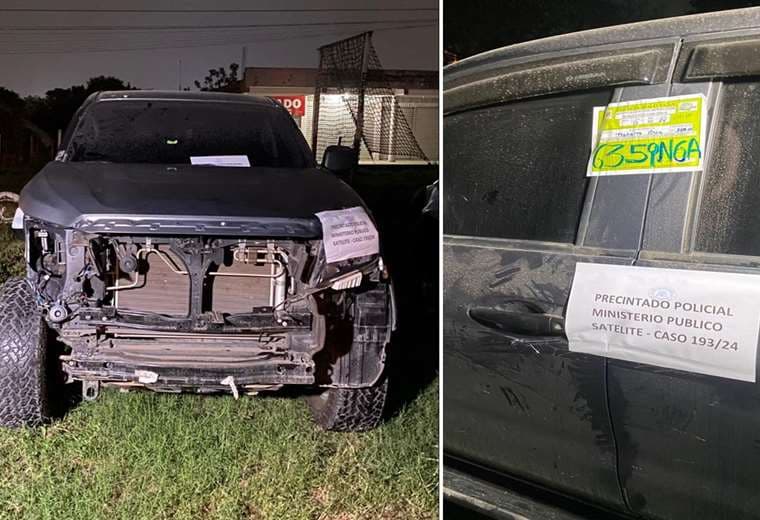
(23, 348)
(350, 409)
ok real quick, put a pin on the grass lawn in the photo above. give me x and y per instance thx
(144, 455)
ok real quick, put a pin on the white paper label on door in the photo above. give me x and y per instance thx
(698, 321)
(348, 233)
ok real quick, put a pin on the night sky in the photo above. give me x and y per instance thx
(43, 50)
(473, 26)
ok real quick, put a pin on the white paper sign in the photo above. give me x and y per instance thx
(18, 219)
(240, 161)
(698, 321)
(348, 233)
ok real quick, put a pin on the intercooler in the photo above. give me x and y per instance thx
(245, 283)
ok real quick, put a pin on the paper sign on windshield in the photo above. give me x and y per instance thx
(348, 233)
(698, 321)
(657, 135)
(240, 161)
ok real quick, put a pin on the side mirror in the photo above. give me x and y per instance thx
(339, 159)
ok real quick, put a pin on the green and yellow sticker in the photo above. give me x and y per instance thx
(658, 135)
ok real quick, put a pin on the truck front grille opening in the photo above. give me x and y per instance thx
(245, 279)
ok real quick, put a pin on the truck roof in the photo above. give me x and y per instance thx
(681, 26)
(177, 95)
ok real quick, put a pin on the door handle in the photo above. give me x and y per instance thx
(526, 323)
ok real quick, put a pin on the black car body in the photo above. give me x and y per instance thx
(158, 273)
(521, 411)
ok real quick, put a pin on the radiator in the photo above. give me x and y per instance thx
(167, 292)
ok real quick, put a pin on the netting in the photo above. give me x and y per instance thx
(385, 132)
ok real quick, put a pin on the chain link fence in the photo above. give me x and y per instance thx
(355, 105)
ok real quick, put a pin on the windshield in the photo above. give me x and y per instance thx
(173, 132)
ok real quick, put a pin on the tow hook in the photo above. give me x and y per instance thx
(90, 390)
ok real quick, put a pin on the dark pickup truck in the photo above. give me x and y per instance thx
(179, 242)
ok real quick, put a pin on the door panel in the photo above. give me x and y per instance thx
(670, 196)
(523, 404)
(531, 409)
(689, 444)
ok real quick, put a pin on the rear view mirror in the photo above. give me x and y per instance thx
(339, 159)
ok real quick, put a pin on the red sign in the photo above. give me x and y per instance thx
(296, 105)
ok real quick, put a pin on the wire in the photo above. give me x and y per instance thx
(55, 47)
(235, 11)
(49, 28)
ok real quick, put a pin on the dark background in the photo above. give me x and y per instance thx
(474, 26)
(158, 44)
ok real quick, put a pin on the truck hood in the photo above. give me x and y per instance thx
(177, 199)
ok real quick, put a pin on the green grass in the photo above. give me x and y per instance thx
(11, 254)
(144, 455)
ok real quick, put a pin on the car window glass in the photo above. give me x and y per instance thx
(170, 132)
(518, 170)
(729, 218)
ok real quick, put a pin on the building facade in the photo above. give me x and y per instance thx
(411, 93)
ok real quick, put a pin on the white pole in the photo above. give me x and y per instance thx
(392, 144)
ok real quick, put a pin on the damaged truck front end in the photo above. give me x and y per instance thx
(178, 243)
(208, 313)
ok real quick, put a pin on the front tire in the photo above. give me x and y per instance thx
(350, 409)
(23, 349)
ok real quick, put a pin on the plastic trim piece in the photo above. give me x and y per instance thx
(589, 70)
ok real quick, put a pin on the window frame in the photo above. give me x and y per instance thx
(684, 77)
(583, 198)
(652, 73)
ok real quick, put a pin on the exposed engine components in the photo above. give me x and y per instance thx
(58, 313)
(186, 283)
(42, 235)
(349, 280)
(128, 263)
(127, 255)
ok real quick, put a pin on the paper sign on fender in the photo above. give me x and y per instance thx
(697, 321)
(348, 233)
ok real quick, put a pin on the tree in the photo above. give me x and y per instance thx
(14, 121)
(218, 80)
(10, 100)
(102, 83)
(54, 111)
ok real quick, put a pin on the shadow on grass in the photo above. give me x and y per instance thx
(413, 352)
(62, 397)
(410, 244)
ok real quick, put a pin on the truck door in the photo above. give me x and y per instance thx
(689, 443)
(519, 214)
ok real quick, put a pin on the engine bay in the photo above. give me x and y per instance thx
(189, 312)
